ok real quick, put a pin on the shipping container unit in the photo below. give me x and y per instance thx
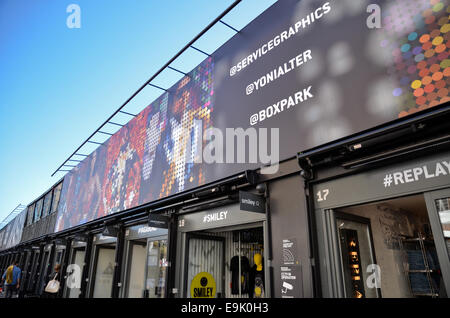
(354, 204)
(379, 202)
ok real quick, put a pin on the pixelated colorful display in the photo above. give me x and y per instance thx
(147, 159)
(358, 76)
(11, 234)
(419, 39)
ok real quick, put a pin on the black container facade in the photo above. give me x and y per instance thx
(358, 206)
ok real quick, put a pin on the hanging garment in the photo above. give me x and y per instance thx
(256, 283)
(244, 277)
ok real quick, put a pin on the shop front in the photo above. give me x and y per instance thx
(385, 232)
(145, 262)
(102, 266)
(75, 268)
(221, 253)
(44, 267)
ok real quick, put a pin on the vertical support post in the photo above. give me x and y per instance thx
(63, 270)
(269, 234)
(37, 274)
(172, 254)
(115, 291)
(85, 275)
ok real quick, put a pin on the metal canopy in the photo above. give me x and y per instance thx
(149, 83)
(12, 215)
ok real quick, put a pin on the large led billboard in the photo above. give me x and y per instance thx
(315, 70)
(11, 234)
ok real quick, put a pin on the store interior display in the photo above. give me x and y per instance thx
(393, 237)
(421, 265)
(257, 277)
(242, 262)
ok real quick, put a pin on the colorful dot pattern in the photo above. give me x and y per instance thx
(417, 33)
(148, 158)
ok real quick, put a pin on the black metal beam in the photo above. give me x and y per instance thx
(209, 26)
(229, 26)
(105, 133)
(80, 154)
(156, 86)
(94, 142)
(127, 113)
(197, 49)
(176, 70)
(112, 123)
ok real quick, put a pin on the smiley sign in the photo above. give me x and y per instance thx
(203, 285)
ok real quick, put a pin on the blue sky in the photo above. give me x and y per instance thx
(57, 85)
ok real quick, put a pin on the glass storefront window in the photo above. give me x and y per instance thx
(357, 256)
(78, 259)
(56, 195)
(30, 214)
(136, 271)
(443, 209)
(387, 248)
(38, 210)
(47, 202)
(156, 269)
(104, 273)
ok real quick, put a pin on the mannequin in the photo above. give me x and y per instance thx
(257, 278)
(258, 262)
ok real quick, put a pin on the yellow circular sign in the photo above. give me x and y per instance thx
(203, 285)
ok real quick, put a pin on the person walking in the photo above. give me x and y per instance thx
(11, 277)
(52, 283)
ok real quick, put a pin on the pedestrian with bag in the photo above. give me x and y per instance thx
(11, 277)
(53, 282)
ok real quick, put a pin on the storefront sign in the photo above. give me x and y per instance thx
(415, 176)
(60, 241)
(203, 286)
(143, 231)
(79, 238)
(215, 216)
(291, 277)
(223, 216)
(289, 252)
(158, 221)
(251, 202)
(110, 230)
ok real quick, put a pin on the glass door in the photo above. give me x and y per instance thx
(155, 282)
(78, 260)
(32, 278)
(438, 205)
(135, 269)
(44, 271)
(357, 254)
(104, 272)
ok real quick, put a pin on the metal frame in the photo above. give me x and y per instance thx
(71, 256)
(94, 266)
(363, 220)
(330, 268)
(127, 268)
(441, 248)
(127, 261)
(148, 82)
(120, 244)
(86, 268)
